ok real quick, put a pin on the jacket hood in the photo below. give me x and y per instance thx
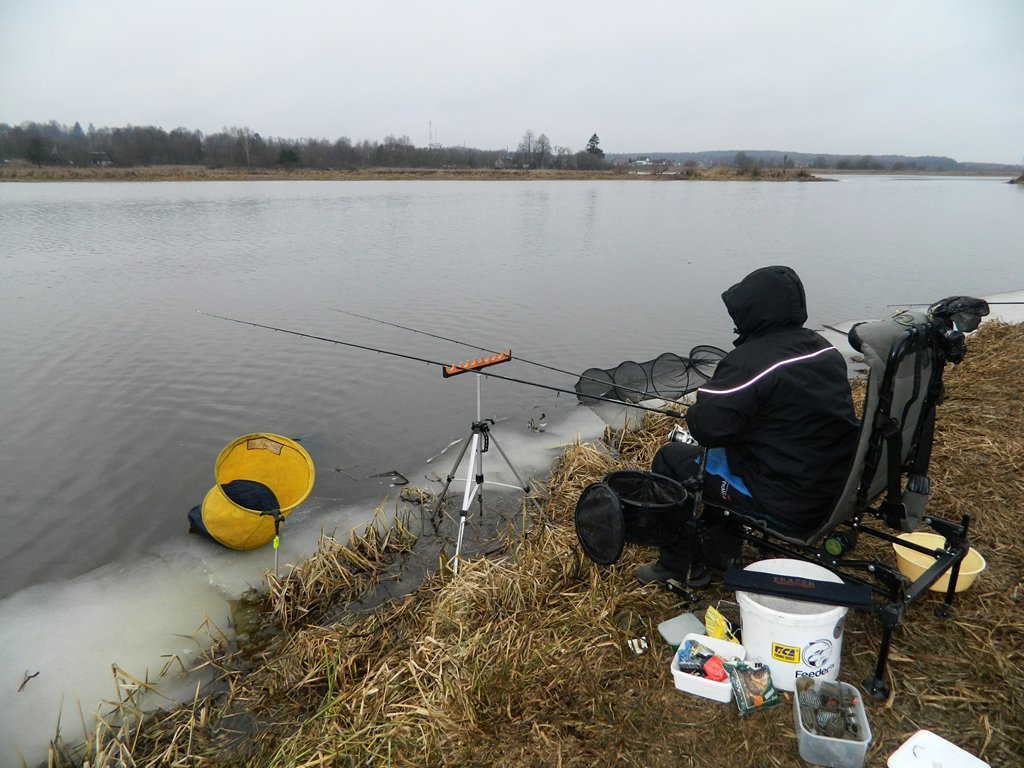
(767, 299)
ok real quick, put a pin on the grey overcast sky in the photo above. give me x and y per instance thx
(864, 77)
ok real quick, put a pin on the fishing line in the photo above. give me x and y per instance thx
(444, 366)
(479, 348)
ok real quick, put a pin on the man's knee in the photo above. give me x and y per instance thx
(676, 460)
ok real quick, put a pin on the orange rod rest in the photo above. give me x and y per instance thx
(481, 362)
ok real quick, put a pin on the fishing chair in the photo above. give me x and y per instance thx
(888, 484)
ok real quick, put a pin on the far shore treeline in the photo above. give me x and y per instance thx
(53, 144)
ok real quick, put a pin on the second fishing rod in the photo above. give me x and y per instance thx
(451, 369)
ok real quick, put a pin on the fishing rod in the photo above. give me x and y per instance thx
(448, 369)
(990, 303)
(582, 377)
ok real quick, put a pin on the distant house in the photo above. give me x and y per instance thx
(101, 159)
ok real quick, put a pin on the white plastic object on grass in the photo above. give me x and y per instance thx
(927, 750)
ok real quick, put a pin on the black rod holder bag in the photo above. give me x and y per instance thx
(641, 508)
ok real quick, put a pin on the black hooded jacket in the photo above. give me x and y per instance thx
(779, 403)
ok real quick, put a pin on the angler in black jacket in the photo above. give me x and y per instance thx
(777, 418)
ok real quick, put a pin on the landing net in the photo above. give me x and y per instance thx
(667, 377)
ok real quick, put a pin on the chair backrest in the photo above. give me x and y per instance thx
(904, 379)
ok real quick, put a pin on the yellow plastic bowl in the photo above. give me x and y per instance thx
(912, 564)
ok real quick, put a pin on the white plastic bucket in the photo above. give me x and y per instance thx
(792, 638)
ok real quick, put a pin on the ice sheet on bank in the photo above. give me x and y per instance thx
(141, 615)
(61, 640)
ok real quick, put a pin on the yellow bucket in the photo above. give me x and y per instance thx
(269, 463)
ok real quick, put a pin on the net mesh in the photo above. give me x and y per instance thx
(667, 377)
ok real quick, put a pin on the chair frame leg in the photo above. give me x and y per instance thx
(875, 685)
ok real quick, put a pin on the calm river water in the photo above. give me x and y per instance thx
(117, 394)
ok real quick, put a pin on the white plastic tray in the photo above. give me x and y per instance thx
(701, 686)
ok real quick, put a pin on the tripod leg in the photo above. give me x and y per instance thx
(451, 475)
(467, 498)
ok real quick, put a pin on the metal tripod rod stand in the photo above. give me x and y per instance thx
(477, 444)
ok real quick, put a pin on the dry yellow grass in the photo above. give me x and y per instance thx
(521, 660)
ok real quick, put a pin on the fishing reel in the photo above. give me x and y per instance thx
(954, 317)
(679, 434)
